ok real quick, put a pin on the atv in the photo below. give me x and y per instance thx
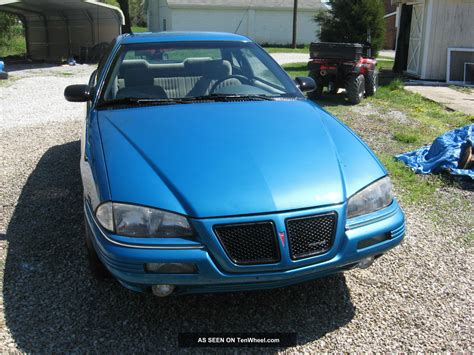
(343, 65)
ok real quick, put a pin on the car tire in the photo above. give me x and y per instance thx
(355, 89)
(371, 83)
(96, 267)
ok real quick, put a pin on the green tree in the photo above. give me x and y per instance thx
(7, 23)
(124, 6)
(138, 10)
(12, 38)
(133, 10)
(352, 21)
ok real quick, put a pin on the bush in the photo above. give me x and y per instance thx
(351, 21)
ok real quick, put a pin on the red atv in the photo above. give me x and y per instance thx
(342, 65)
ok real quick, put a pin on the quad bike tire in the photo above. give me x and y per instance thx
(355, 89)
(371, 83)
(334, 90)
(96, 268)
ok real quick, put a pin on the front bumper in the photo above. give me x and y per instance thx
(125, 258)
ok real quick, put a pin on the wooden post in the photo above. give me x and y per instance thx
(295, 17)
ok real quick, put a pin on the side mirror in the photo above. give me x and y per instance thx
(78, 93)
(305, 83)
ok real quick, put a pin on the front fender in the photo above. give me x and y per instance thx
(93, 169)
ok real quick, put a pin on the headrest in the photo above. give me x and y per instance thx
(135, 72)
(211, 68)
(138, 76)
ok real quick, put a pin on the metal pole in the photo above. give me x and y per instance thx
(295, 17)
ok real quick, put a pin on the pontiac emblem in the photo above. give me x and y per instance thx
(282, 237)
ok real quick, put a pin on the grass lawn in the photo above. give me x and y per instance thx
(392, 122)
(384, 64)
(137, 29)
(285, 49)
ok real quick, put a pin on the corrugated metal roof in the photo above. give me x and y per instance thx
(57, 29)
(267, 4)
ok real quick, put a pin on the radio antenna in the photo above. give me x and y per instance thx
(242, 19)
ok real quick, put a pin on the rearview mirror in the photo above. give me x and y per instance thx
(305, 83)
(78, 93)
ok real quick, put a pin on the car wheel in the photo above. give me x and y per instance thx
(355, 89)
(97, 269)
(371, 83)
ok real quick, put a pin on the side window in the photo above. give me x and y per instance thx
(93, 79)
(103, 60)
(260, 70)
(236, 63)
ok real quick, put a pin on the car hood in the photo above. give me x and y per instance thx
(233, 158)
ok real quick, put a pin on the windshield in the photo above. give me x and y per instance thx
(195, 70)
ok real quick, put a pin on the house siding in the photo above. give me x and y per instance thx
(276, 27)
(264, 25)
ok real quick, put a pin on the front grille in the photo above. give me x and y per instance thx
(312, 235)
(249, 243)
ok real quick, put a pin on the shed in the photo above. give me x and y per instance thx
(58, 29)
(265, 21)
(436, 39)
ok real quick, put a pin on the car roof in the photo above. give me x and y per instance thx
(149, 37)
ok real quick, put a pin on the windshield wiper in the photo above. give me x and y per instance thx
(232, 97)
(140, 101)
(126, 101)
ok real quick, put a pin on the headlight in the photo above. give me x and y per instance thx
(373, 198)
(142, 222)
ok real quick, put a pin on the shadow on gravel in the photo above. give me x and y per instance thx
(328, 100)
(52, 304)
(18, 65)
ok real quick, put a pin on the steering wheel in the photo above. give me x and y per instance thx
(241, 78)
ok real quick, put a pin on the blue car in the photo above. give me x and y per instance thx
(205, 169)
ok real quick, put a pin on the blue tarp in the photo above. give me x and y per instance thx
(443, 154)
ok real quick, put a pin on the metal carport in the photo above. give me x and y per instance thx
(58, 29)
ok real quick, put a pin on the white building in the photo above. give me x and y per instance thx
(436, 39)
(265, 21)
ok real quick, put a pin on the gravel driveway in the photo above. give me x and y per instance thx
(416, 298)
